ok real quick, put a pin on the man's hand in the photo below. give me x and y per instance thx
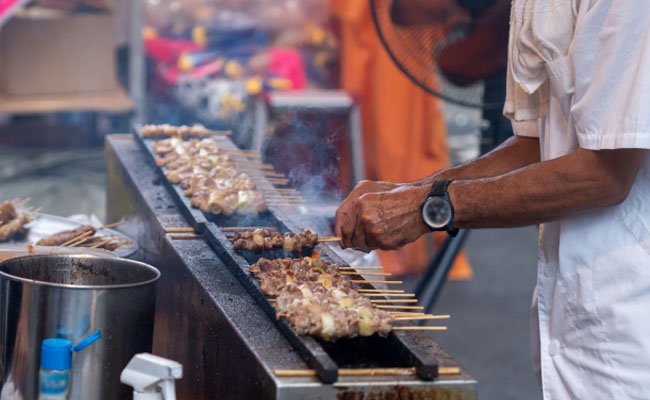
(359, 190)
(384, 220)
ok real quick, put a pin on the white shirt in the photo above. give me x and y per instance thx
(579, 76)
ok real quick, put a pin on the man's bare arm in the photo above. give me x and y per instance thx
(514, 153)
(536, 193)
(545, 191)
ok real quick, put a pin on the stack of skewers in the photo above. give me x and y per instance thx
(222, 181)
(316, 297)
(86, 236)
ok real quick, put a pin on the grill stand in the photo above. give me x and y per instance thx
(208, 321)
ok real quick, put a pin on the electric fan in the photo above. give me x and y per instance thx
(447, 47)
(455, 50)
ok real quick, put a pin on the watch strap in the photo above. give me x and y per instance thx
(439, 187)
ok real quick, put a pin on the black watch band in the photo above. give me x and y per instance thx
(439, 188)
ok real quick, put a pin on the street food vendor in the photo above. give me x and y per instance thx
(578, 95)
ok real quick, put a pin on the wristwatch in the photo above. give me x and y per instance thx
(437, 210)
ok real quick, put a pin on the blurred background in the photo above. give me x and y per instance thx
(308, 83)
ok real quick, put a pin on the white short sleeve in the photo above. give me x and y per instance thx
(610, 54)
(529, 128)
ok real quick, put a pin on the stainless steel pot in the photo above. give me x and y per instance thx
(71, 296)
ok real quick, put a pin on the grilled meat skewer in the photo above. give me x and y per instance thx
(274, 275)
(262, 239)
(331, 313)
(166, 130)
(317, 300)
(209, 178)
(62, 237)
(14, 226)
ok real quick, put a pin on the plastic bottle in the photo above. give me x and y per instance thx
(54, 375)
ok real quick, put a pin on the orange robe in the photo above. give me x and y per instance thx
(403, 126)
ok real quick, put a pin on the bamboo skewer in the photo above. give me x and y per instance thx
(172, 230)
(388, 294)
(288, 190)
(417, 318)
(284, 201)
(257, 166)
(36, 211)
(240, 154)
(367, 273)
(186, 237)
(279, 198)
(361, 268)
(329, 239)
(419, 328)
(406, 313)
(77, 238)
(22, 202)
(245, 228)
(381, 290)
(100, 244)
(273, 192)
(289, 373)
(401, 307)
(349, 372)
(275, 198)
(113, 225)
(80, 241)
(394, 301)
(273, 174)
(376, 281)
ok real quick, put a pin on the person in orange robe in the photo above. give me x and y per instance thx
(403, 126)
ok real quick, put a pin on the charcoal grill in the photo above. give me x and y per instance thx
(212, 316)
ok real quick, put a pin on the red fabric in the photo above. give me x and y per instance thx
(167, 51)
(288, 64)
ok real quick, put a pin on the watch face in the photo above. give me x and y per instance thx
(436, 212)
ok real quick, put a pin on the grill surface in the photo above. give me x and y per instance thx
(207, 320)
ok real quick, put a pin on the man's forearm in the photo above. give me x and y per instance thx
(514, 153)
(547, 190)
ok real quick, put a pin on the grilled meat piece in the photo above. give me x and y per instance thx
(65, 236)
(7, 212)
(14, 226)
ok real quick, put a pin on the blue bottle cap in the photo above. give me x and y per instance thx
(56, 354)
